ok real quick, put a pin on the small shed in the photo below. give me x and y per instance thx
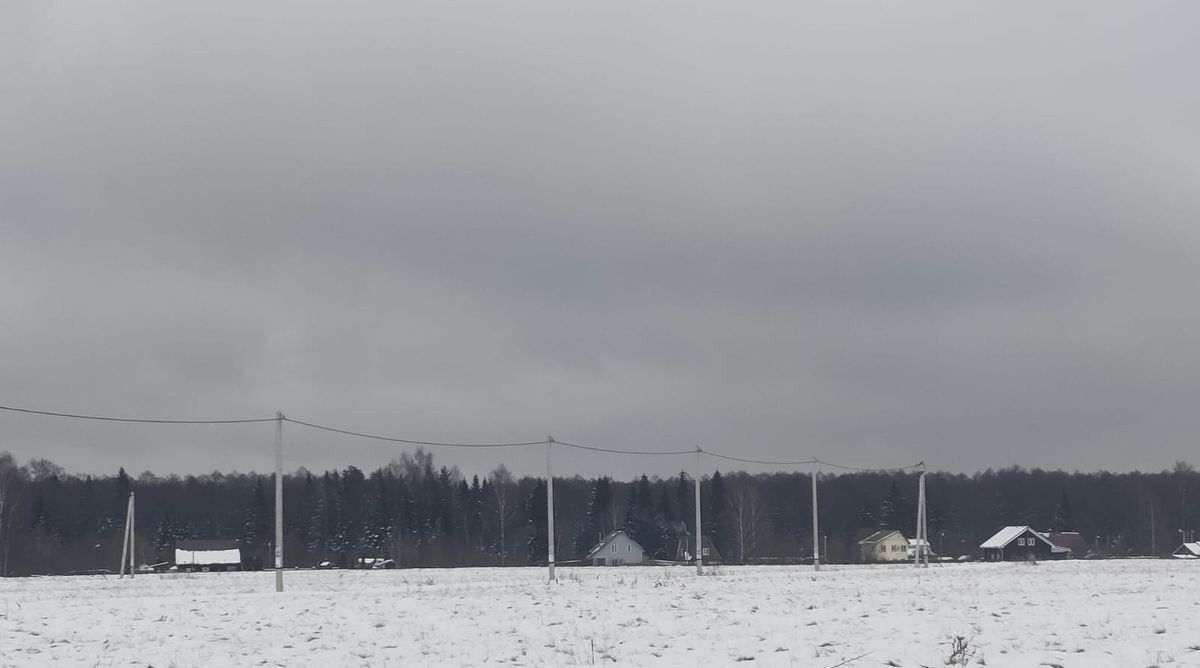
(1187, 551)
(617, 549)
(208, 555)
(883, 546)
(925, 548)
(1021, 543)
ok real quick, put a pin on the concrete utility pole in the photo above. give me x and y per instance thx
(132, 532)
(922, 529)
(815, 533)
(278, 501)
(549, 508)
(125, 539)
(925, 520)
(699, 531)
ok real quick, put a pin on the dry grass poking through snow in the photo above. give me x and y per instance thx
(1085, 614)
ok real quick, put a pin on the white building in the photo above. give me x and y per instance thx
(1187, 551)
(617, 549)
(926, 550)
(883, 546)
(208, 555)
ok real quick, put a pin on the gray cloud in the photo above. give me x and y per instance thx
(873, 234)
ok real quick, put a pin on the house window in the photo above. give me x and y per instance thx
(883, 548)
(612, 548)
(629, 548)
(1020, 541)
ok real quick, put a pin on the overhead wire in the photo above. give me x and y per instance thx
(767, 462)
(408, 441)
(870, 470)
(619, 451)
(449, 444)
(105, 418)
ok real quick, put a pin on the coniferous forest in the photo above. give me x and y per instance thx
(421, 514)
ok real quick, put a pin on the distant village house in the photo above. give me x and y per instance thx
(684, 546)
(887, 545)
(208, 555)
(1021, 543)
(1187, 551)
(617, 549)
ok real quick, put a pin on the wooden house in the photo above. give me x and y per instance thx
(616, 549)
(682, 548)
(1021, 543)
(1072, 540)
(883, 546)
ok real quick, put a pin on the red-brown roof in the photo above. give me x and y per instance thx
(1069, 539)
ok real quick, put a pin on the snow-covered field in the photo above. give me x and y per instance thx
(1106, 613)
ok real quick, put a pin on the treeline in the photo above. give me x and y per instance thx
(422, 514)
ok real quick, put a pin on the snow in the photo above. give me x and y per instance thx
(1003, 537)
(207, 557)
(1006, 535)
(1067, 613)
(1188, 551)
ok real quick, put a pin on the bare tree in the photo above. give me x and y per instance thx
(502, 488)
(10, 482)
(747, 517)
(43, 469)
(1183, 472)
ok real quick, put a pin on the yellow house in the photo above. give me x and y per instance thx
(883, 546)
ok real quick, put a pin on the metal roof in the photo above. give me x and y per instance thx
(1006, 535)
(879, 536)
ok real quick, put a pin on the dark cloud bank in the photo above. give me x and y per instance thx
(870, 233)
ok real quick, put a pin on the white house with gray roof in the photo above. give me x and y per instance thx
(617, 549)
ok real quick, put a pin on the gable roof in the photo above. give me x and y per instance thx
(610, 538)
(879, 536)
(1187, 551)
(1010, 533)
(1071, 540)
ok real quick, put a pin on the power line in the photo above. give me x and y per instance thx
(618, 451)
(766, 462)
(105, 418)
(408, 441)
(802, 462)
(872, 470)
(392, 439)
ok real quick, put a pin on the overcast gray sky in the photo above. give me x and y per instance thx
(870, 232)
